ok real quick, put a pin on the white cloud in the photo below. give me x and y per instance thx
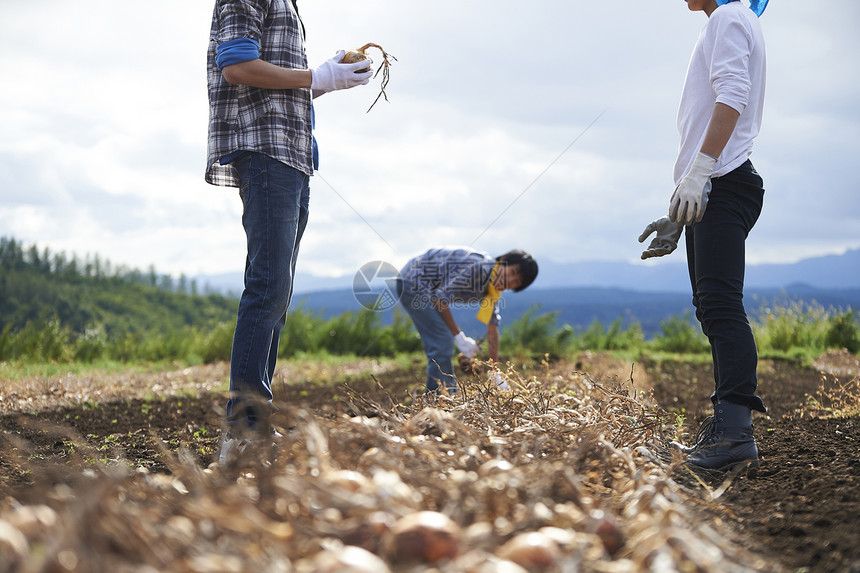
(103, 144)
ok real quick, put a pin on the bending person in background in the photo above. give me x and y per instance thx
(717, 200)
(431, 282)
(261, 141)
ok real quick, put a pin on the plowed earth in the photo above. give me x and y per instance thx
(800, 512)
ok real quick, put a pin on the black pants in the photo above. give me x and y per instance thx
(716, 259)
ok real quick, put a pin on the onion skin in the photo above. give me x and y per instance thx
(353, 56)
(360, 54)
(350, 480)
(349, 560)
(425, 536)
(532, 551)
(607, 530)
(369, 534)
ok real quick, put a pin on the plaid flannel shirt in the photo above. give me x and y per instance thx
(274, 122)
(452, 275)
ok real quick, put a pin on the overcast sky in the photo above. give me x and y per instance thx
(547, 126)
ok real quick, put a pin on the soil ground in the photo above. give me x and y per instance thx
(801, 511)
(803, 507)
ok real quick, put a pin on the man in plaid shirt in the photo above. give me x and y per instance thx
(431, 282)
(260, 140)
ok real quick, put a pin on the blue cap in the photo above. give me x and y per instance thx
(756, 6)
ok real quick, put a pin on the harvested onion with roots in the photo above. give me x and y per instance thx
(360, 54)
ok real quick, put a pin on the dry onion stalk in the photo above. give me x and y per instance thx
(360, 54)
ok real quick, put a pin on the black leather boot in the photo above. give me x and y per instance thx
(703, 433)
(729, 442)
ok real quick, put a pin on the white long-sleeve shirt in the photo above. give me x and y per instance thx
(728, 66)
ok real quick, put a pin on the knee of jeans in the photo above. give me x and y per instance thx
(437, 366)
(439, 351)
(719, 309)
(282, 290)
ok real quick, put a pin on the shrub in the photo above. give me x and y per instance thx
(48, 342)
(678, 334)
(6, 343)
(303, 332)
(807, 329)
(91, 345)
(537, 335)
(843, 331)
(216, 344)
(787, 328)
(597, 337)
(399, 336)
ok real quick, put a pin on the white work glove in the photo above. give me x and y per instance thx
(690, 199)
(466, 345)
(498, 381)
(666, 240)
(331, 75)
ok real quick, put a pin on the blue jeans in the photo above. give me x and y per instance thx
(716, 260)
(435, 336)
(275, 200)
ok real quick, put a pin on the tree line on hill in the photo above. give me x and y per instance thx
(40, 286)
(55, 307)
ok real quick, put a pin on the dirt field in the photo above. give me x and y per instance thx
(803, 507)
(801, 512)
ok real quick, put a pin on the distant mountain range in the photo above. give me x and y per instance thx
(579, 307)
(827, 272)
(582, 293)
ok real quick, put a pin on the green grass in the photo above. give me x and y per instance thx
(20, 369)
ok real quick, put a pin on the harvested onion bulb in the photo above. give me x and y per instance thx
(533, 550)
(349, 560)
(425, 536)
(360, 54)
